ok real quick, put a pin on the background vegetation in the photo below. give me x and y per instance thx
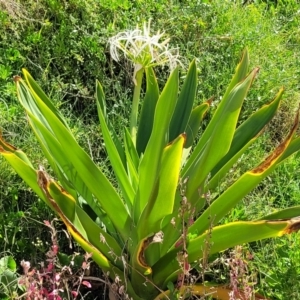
(64, 46)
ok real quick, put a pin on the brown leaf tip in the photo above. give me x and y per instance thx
(279, 150)
(294, 226)
(17, 78)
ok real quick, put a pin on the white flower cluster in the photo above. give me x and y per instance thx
(143, 49)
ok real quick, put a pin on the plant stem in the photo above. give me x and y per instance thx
(135, 104)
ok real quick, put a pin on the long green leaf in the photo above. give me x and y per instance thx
(287, 213)
(208, 289)
(161, 202)
(184, 104)
(40, 93)
(141, 271)
(91, 231)
(240, 73)
(6, 147)
(59, 158)
(147, 113)
(172, 225)
(150, 164)
(67, 175)
(243, 137)
(74, 216)
(87, 170)
(221, 206)
(51, 147)
(194, 123)
(130, 149)
(101, 102)
(115, 159)
(132, 160)
(236, 233)
(293, 147)
(217, 239)
(24, 170)
(218, 144)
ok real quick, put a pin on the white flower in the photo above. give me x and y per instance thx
(25, 265)
(143, 49)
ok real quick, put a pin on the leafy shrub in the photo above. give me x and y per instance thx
(168, 202)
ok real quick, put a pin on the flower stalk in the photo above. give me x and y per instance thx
(144, 51)
(135, 103)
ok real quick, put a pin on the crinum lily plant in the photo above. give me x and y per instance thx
(149, 231)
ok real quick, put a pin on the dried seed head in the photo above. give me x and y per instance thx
(173, 221)
(102, 238)
(158, 237)
(121, 290)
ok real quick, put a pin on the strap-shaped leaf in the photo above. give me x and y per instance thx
(6, 147)
(27, 100)
(218, 144)
(152, 252)
(150, 163)
(141, 269)
(237, 233)
(60, 160)
(94, 179)
(220, 238)
(161, 202)
(65, 206)
(293, 147)
(100, 97)
(222, 205)
(40, 93)
(243, 137)
(57, 159)
(184, 103)
(92, 239)
(147, 112)
(287, 213)
(67, 174)
(220, 292)
(114, 157)
(132, 160)
(23, 169)
(131, 150)
(172, 226)
(194, 123)
(240, 73)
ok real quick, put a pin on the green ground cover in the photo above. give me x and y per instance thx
(64, 46)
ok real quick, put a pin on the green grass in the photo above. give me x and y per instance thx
(64, 46)
(281, 280)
